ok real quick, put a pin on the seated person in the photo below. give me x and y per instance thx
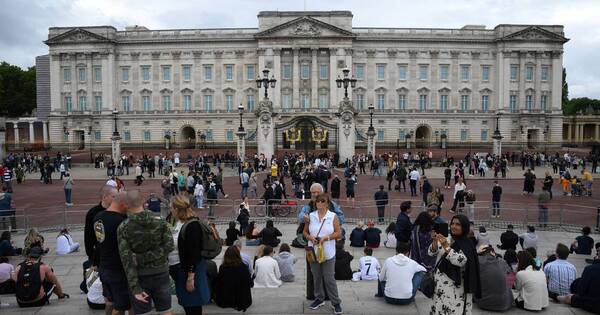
(560, 273)
(7, 285)
(300, 241)
(510, 257)
(266, 270)
(400, 277)
(286, 261)
(583, 243)
(390, 242)
(492, 271)
(528, 239)
(34, 239)
(232, 234)
(538, 262)
(372, 235)
(153, 203)
(35, 281)
(592, 260)
(252, 234)
(530, 284)
(342, 262)
(483, 239)
(65, 244)
(368, 267)
(6, 246)
(95, 299)
(509, 239)
(245, 258)
(585, 291)
(357, 236)
(269, 235)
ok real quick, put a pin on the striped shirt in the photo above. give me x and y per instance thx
(560, 274)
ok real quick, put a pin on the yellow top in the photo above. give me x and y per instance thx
(587, 176)
(273, 170)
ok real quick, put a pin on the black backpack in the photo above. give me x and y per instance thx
(28, 282)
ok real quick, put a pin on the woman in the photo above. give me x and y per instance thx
(199, 194)
(510, 257)
(528, 182)
(457, 275)
(6, 246)
(391, 241)
(33, 239)
(420, 240)
(268, 235)
(252, 238)
(435, 198)
(530, 284)
(232, 233)
(459, 198)
(494, 297)
(68, 188)
(252, 185)
(188, 268)
(65, 244)
(7, 285)
(323, 229)
(343, 271)
(266, 270)
(233, 283)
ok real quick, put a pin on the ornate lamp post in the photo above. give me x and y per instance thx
(266, 82)
(345, 82)
(444, 140)
(407, 139)
(371, 133)
(66, 133)
(241, 133)
(116, 139)
(522, 142)
(497, 137)
(546, 131)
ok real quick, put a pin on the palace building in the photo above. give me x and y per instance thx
(426, 85)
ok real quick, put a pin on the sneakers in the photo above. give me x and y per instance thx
(316, 304)
(337, 309)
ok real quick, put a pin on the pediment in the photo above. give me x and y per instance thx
(78, 35)
(536, 34)
(305, 27)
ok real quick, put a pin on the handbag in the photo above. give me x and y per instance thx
(427, 286)
(311, 255)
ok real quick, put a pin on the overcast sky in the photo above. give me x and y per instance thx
(24, 23)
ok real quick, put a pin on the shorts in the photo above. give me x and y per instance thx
(350, 194)
(115, 289)
(158, 288)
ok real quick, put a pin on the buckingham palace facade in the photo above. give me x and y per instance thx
(424, 84)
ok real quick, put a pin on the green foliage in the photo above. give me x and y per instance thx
(580, 104)
(17, 90)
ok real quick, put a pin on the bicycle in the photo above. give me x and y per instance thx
(277, 209)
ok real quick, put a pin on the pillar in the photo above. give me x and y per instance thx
(116, 147)
(295, 78)
(314, 79)
(31, 132)
(16, 127)
(371, 142)
(265, 134)
(346, 131)
(241, 145)
(497, 146)
(2, 139)
(45, 132)
(596, 133)
(569, 132)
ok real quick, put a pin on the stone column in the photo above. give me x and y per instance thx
(295, 79)
(31, 132)
(314, 79)
(241, 145)
(346, 130)
(371, 142)
(277, 72)
(333, 73)
(45, 132)
(597, 133)
(569, 132)
(16, 127)
(497, 145)
(265, 136)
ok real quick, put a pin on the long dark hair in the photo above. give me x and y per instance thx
(232, 257)
(249, 230)
(525, 260)
(391, 227)
(424, 222)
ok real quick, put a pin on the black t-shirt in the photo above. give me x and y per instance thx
(105, 228)
(89, 237)
(372, 236)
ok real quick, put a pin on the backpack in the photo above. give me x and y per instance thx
(28, 282)
(211, 247)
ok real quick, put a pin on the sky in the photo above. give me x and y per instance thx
(24, 23)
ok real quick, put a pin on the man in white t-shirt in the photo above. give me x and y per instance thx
(368, 267)
(414, 178)
(400, 277)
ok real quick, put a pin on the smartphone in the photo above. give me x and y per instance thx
(441, 228)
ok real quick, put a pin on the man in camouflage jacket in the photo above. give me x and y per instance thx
(145, 242)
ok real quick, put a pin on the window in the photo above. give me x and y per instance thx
(380, 101)
(250, 72)
(127, 135)
(125, 101)
(464, 133)
(423, 72)
(360, 102)
(208, 103)
(402, 101)
(98, 103)
(67, 75)
(207, 73)
(229, 135)
(97, 135)
(287, 101)
(228, 103)
(323, 101)
(484, 135)
(187, 102)
(465, 73)
(545, 72)
(250, 102)
(147, 135)
(166, 73)
(514, 72)
(443, 103)
(464, 102)
(187, 73)
(125, 74)
(81, 74)
(304, 101)
(209, 135)
(380, 72)
(528, 102)
(529, 73)
(360, 72)
(82, 102)
(380, 134)
(166, 102)
(402, 135)
(422, 102)
(98, 74)
(68, 104)
(304, 71)
(229, 72)
(146, 73)
(513, 103)
(402, 72)
(485, 100)
(543, 102)
(146, 103)
(485, 73)
(444, 73)
(286, 71)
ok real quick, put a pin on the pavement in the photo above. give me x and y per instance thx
(357, 297)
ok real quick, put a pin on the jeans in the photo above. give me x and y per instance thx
(413, 187)
(380, 213)
(416, 283)
(68, 193)
(496, 208)
(323, 276)
(244, 191)
(543, 215)
(200, 201)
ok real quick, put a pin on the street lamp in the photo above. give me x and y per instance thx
(90, 136)
(66, 132)
(241, 111)
(444, 140)
(371, 110)
(407, 139)
(345, 82)
(265, 82)
(546, 131)
(522, 142)
(115, 112)
(497, 137)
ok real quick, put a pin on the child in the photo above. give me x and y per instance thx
(565, 186)
(368, 267)
(232, 234)
(286, 261)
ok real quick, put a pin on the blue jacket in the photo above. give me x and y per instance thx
(381, 198)
(308, 208)
(5, 201)
(403, 228)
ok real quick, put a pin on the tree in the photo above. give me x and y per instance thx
(565, 88)
(17, 90)
(580, 104)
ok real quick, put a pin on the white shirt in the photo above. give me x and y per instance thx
(368, 267)
(459, 187)
(94, 285)
(532, 289)
(65, 244)
(327, 229)
(174, 254)
(111, 182)
(199, 190)
(414, 175)
(391, 240)
(398, 272)
(267, 273)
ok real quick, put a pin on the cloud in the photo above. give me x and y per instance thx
(24, 23)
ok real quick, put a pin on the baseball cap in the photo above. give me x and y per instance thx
(35, 252)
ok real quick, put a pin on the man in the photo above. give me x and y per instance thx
(414, 178)
(588, 180)
(426, 189)
(145, 242)
(548, 182)
(496, 195)
(35, 281)
(6, 210)
(400, 277)
(583, 243)
(403, 224)
(585, 291)
(543, 200)
(108, 260)
(138, 173)
(154, 203)
(560, 273)
(435, 214)
(508, 239)
(528, 239)
(107, 194)
(492, 270)
(381, 199)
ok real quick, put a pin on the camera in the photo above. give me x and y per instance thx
(318, 239)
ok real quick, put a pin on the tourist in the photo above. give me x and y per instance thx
(368, 267)
(199, 194)
(7, 284)
(6, 209)
(34, 239)
(585, 292)
(528, 182)
(6, 245)
(510, 257)
(426, 189)
(232, 233)
(286, 261)
(447, 176)
(343, 271)
(529, 239)
(68, 188)
(459, 196)
(381, 199)
(543, 199)
(401, 175)
(266, 270)
(560, 273)
(252, 235)
(420, 240)
(403, 225)
(583, 243)
(243, 215)
(435, 198)
(372, 235)
(494, 297)
(548, 182)
(65, 244)
(190, 183)
(147, 236)
(107, 194)
(357, 236)
(245, 258)
(153, 203)
(324, 229)
(414, 178)
(268, 235)
(483, 239)
(350, 183)
(530, 284)
(335, 187)
(457, 275)
(435, 214)
(400, 277)
(390, 241)
(245, 184)
(496, 196)
(233, 283)
(508, 239)
(470, 200)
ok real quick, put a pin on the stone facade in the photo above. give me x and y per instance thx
(422, 82)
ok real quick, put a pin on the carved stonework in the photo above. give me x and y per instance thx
(155, 54)
(370, 52)
(475, 54)
(218, 53)
(239, 52)
(413, 53)
(434, 53)
(454, 53)
(176, 54)
(197, 53)
(305, 29)
(392, 52)
(134, 55)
